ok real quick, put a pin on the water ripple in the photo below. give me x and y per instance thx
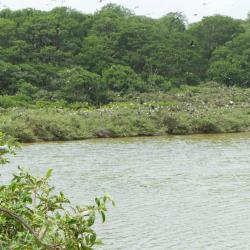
(190, 192)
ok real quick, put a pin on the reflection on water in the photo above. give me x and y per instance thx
(180, 192)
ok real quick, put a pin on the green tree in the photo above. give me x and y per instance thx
(136, 33)
(38, 47)
(78, 84)
(173, 57)
(122, 79)
(226, 72)
(230, 64)
(7, 32)
(172, 22)
(96, 53)
(8, 76)
(214, 31)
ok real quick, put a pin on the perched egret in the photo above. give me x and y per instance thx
(3, 149)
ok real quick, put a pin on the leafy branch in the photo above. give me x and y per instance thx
(33, 216)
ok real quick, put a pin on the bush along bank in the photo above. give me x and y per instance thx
(188, 110)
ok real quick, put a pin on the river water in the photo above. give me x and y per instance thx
(178, 192)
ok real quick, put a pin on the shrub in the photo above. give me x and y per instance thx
(32, 216)
(208, 125)
(122, 79)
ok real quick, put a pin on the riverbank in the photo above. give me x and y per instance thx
(188, 110)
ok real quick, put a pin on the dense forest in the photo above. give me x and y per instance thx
(66, 55)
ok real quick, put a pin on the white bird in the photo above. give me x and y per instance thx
(4, 148)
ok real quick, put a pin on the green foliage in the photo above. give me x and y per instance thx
(230, 64)
(65, 55)
(173, 22)
(8, 75)
(122, 79)
(227, 72)
(7, 31)
(7, 146)
(26, 89)
(33, 216)
(158, 82)
(19, 100)
(214, 31)
(78, 84)
(183, 110)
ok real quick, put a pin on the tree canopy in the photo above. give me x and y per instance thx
(82, 57)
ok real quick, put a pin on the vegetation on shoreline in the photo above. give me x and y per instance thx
(67, 75)
(210, 108)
